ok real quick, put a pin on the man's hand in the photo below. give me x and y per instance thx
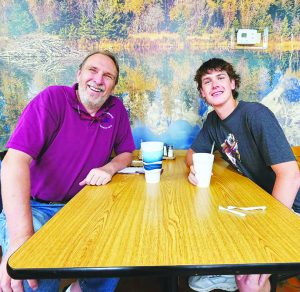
(192, 178)
(97, 177)
(253, 283)
(7, 284)
(103, 175)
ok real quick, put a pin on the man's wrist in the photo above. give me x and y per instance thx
(108, 168)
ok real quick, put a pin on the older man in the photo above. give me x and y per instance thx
(63, 141)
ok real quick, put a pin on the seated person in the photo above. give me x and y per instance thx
(62, 142)
(249, 138)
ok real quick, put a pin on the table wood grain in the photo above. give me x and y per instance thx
(130, 227)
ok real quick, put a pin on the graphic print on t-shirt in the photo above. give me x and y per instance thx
(230, 148)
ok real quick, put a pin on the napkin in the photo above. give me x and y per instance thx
(132, 170)
(231, 209)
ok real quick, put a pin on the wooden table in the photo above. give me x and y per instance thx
(130, 228)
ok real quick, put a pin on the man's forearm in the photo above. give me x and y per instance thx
(285, 191)
(15, 180)
(287, 183)
(118, 162)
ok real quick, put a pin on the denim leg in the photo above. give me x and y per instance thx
(45, 285)
(296, 209)
(41, 213)
(98, 284)
(4, 241)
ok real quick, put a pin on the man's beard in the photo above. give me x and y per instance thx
(87, 101)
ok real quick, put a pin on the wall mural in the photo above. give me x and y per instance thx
(160, 44)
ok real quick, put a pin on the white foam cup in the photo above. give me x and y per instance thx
(152, 176)
(152, 154)
(203, 163)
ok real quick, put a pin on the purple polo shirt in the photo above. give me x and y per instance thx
(65, 142)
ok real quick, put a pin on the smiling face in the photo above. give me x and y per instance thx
(216, 88)
(96, 81)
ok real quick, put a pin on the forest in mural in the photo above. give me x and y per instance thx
(160, 44)
(118, 19)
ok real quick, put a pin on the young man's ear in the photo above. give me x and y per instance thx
(202, 93)
(232, 84)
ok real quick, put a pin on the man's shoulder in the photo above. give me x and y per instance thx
(55, 93)
(54, 90)
(252, 106)
(116, 99)
(117, 102)
(254, 109)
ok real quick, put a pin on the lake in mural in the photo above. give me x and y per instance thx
(158, 90)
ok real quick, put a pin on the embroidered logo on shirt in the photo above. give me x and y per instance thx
(230, 148)
(106, 120)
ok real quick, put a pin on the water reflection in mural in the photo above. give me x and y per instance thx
(158, 89)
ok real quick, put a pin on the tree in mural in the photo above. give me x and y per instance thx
(285, 31)
(116, 19)
(134, 6)
(138, 87)
(296, 27)
(4, 7)
(191, 15)
(109, 24)
(13, 90)
(20, 21)
(153, 18)
(85, 30)
(229, 8)
(44, 13)
(291, 9)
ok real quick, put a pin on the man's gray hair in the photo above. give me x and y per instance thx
(105, 53)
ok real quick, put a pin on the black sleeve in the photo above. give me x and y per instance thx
(269, 137)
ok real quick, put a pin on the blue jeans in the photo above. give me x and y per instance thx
(41, 213)
(296, 209)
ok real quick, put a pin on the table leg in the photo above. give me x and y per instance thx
(171, 284)
(273, 282)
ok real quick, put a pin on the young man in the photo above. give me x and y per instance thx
(249, 138)
(63, 141)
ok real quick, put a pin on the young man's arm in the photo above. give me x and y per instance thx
(189, 157)
(15, 183)
(287, 182)
(103, 175)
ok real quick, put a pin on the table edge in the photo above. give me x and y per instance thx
(230, 269)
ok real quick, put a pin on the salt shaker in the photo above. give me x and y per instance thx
(165, 150)
(170, 151)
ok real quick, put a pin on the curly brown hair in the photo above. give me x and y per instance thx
(216, 64)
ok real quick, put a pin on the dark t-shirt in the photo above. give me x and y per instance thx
(250, 139)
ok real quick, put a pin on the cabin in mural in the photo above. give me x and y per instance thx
(159, 44)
